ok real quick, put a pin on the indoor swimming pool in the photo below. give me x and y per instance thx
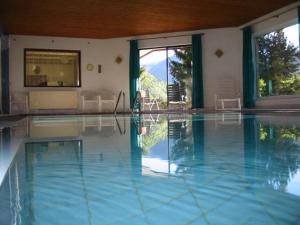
(210, 169)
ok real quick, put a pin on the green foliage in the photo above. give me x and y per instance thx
(281, 134)
(278, 62)
(262, 88)
(263, 134)
(282, 154)
(291, 133)
(181, 68)
(156, 134)
(289, 86)
(157, 88)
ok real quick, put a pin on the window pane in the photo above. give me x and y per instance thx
(166, 77)
(180, 71)
(278, 62)
(52, 68)
(153, 77)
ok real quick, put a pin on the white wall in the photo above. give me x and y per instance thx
(116, 76)
(230, 64)
(113, 77)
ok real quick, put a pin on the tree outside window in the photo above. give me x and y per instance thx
(278, 63)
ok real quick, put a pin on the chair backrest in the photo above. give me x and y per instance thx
(146, 97)
(89, 95)
(227, 87)
(176, 129)
(175, 92)
(106, 94)
(18, 96)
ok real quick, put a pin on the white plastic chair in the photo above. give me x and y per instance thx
(89, 99)
(148, 101)
(106, 97)
(18, 101)
(227, 93)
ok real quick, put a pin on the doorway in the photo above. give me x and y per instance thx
(166, 78)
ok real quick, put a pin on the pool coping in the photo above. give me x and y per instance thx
(254, 110)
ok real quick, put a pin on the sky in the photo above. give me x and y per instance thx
(292, 34)
(154, 57)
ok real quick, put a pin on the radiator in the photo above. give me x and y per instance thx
(53, 100)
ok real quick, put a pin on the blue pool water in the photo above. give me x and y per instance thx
(154, 169)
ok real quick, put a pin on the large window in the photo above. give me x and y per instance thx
(51, 68)
(166, 75)
(278, 60)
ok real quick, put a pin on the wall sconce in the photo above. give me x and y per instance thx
(118, 59)
(219, 53)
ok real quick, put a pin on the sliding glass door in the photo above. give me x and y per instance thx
(180, 73)
(166, 78)
(153, 78)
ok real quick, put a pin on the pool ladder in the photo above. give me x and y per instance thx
(121, 93)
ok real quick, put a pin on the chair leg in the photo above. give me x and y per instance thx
(99, 104)
(82, 103)
(83, 125)
(239, 104)
(151, 105)
(99, 123)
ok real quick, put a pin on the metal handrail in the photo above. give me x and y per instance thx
(117, 104)
(122, 132)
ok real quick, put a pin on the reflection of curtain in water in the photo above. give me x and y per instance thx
(6, 136)
(250, 145)
(198, 136)
(136, 151)
(198, 139)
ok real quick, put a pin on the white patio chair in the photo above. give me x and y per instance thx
(148, 101)
(18, 102)
(90, 99)
(107, 97)
(227, 94)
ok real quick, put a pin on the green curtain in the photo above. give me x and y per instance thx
(299, 24)
(249, 79)
(4, 38)
(134, 70)
(197, 90)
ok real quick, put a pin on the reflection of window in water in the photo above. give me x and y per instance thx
(279, 148)
(46, 150)
(279, 133)
(165, 144)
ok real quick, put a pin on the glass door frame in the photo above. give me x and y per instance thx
(166, 48)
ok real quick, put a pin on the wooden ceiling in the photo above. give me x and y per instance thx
(120, 18)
